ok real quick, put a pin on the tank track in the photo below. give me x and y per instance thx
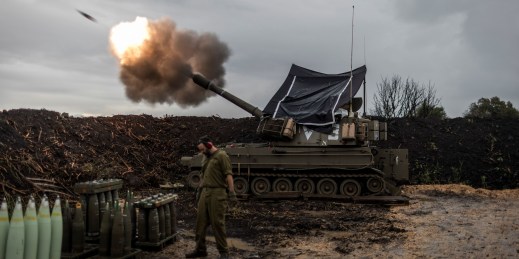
(382, 186)
(360, 178)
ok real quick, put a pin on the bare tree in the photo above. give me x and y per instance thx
(396, 98)
(412, 96)
(387, 100)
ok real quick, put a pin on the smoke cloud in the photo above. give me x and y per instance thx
(160, 71)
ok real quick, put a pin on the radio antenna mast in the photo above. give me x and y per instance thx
(365, 63)
(350, 113)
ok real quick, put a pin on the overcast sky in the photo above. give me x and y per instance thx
(53, 58)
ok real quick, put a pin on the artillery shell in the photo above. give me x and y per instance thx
(142, 224)
(173, 212)
(115, 195)
(15, 238)
(133, 217)
(78, 230)
(117, 246)
(127, 229)
(105, 232)
(84, 206)
(56, 221)
(153, 225)
(93, 215)
(162, 223)
(167, 220)
(66, 245)
(44, 229)
(102, 201)
(108, 197)
(31, 230)
(4, 228)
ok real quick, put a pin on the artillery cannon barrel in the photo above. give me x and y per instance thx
(200, 80)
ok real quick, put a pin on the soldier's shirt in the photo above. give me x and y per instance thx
(215, 169)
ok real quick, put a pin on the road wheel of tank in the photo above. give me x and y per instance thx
(350, 187)
(193, 179)
(282, 185)
(305, 185)
(241, 186)
(327, 186)
(375, 185)
(260, 185)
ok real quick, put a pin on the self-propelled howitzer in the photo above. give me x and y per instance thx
(340, 162)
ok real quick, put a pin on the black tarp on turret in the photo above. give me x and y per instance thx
(311, 98)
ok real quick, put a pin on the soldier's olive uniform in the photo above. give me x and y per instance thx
(212, 204)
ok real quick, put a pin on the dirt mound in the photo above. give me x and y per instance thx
(145, 151)
(460, 190)
(9, 138)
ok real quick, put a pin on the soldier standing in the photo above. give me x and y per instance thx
(215, 188)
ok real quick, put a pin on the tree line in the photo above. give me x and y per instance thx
(398, 98)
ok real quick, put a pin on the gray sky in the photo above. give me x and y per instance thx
(53, 58)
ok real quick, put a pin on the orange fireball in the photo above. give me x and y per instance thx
(126, 39)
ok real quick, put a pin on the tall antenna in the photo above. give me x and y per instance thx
(365, 63)
(350, 113)
(364, 49)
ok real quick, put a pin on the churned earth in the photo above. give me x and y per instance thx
(441, 221)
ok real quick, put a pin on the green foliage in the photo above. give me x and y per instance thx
(428, 173)
(431, 146)
(484, 181)
(435, 112)
(491, 108)
(457, 174)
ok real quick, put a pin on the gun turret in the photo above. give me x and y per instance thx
(200, 80)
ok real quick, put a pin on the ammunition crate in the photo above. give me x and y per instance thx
(93, 196)
(156, 221)
(155, 201)
(157, 245)
(92, 187)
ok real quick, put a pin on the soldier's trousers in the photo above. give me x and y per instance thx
(212, 206)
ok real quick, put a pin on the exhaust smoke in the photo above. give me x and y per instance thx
(157, 59)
